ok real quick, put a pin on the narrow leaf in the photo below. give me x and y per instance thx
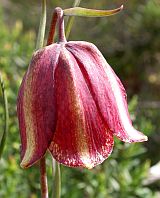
(71, 19)
(5, 104)
(42, 26)
(57, 184)
(84, 12)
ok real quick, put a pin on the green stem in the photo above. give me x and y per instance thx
(42, 26)
(57, 183)
(39, 44)
(71, 19)
(6, 114)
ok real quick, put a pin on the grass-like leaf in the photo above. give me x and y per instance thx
(6, 117)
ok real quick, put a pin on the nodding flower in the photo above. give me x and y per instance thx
(72, 103)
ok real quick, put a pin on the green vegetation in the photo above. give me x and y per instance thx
(131, 43)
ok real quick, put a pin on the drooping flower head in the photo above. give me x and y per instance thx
(72, 103)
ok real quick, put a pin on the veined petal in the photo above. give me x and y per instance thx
(106, 89)
(81, 137)
(36, 105)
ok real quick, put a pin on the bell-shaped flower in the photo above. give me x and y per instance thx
(72, 103)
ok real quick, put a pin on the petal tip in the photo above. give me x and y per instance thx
(121, 8)
(145, 138)
(27, 160)
(141, 137)
(24, 165)
(89, 167)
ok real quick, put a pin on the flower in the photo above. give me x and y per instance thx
(72, 103)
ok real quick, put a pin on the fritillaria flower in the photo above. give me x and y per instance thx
(72, 103)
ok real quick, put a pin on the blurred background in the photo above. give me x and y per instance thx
(130, 41)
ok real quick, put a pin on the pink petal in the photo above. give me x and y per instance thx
(36, 105)
(81, 137)
(106, 89)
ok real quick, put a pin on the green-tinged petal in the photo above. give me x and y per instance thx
(107, 90)
(81, 138)
(36, 105)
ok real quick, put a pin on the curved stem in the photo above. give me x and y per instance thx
(62, 37)
(43, 178)
(6, 114)
(57, 16)
(71, 19)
